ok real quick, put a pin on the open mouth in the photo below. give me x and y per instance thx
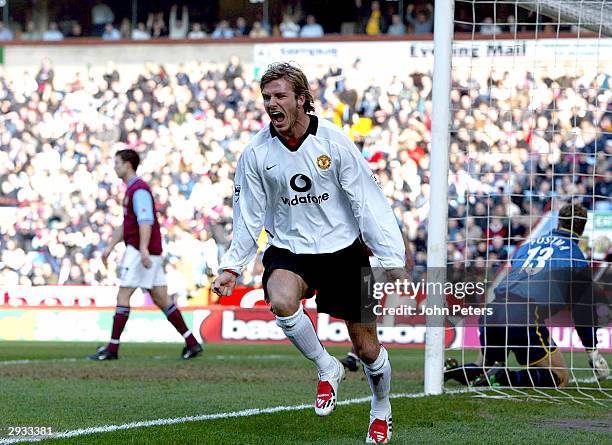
(277, 117)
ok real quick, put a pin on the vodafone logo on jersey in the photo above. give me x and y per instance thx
(301, 184)
(308, 199)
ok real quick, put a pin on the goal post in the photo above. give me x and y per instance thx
(438, 207)
(547, 95)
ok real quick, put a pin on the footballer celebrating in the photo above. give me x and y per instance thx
(142, 264)
(305, 182)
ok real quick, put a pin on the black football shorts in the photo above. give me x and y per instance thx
(341, 280)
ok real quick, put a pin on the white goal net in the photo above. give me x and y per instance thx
(530, 132)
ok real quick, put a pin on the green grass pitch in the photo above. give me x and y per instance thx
(52, 385)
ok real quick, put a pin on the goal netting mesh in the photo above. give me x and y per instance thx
(531, 130)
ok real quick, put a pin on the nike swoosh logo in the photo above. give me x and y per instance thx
(272, 166)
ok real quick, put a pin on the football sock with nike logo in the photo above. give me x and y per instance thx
(379, 378)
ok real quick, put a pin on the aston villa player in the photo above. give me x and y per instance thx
(142, 264)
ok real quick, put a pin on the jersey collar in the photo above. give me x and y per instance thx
(567, 232)
(132, 181)
(312, 129)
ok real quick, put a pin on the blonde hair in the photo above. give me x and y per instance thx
(295, 76)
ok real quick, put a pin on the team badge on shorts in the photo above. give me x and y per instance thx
(323, 162)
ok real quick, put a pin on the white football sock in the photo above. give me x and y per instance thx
(299, 329)
(379, 378)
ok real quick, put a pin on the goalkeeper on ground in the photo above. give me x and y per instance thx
(547, 274)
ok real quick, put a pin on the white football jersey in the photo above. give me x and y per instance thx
(315, 198)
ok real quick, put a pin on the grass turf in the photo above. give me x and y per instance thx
(58, 388)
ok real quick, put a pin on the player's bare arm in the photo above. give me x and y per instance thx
(145, 237)
(116, 238)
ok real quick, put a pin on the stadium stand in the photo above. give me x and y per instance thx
(191, 123)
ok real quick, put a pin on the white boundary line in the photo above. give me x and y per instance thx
(185, 419)
(226, 415)
(157, 357)
(28, 362)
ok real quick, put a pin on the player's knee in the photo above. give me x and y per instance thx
(284, 290)
(156, 300)
(367, 351)
(124, 295)
(283, 304)
(160, 299)
(282, 297)
(123, 301)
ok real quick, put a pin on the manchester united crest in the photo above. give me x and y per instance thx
(323, 162)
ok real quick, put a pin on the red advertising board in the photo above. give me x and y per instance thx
(242, 318)
(224, 324)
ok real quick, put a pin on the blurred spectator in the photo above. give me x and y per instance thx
(125, 29)
(101, 14)
(603, 189)
(156, 25)
(53, 33)
(111, 75)
(487, 27)
(242, 28)
(76, 30)
(464, 20)
(31, 33)
(376, 23)
(196, 32)
(258, 31)
(397, 28)
(233, 70)
(223, 31)
(311, 28)
(518, 231)
(288, 28)
(181, 76)
(111, 33)
(422, 19)
(5, 33)
(45, 75)
(140, 32)
(179, 27)
(511, 25)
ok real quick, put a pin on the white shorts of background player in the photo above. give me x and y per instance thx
(133, 274)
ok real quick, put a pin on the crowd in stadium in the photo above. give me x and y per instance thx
(518, 141)
(358, 17)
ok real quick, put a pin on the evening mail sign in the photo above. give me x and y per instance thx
(384, 52)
